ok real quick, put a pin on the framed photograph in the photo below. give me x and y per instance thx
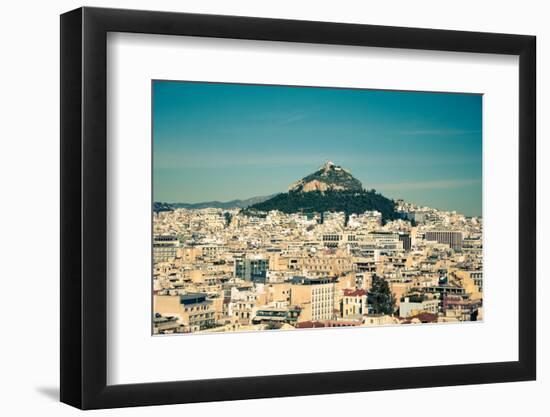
(259, 208)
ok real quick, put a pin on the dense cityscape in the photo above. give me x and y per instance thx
(226, 270)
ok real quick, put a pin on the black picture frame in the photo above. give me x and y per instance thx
(84, 207)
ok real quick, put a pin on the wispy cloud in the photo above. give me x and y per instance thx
(296, 117)
(178, 159)
(428, 185)
(280, 117)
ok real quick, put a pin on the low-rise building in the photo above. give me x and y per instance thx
(167, 324)
(194, 310)
(354, 303)
(165, 248)
(415, 304)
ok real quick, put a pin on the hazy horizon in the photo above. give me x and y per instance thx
(221, 142)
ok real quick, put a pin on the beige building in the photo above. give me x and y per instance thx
(189, 254)
(471, 281)
(380, 320)
(414, 304)
(315, 296)
(244, 304)
(278, 292)
(194, 310)
(354, 303)
(399, 289)
(166, 324)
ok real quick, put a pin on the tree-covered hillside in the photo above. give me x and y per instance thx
(317, 202)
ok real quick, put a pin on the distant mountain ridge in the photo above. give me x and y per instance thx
(238, 203)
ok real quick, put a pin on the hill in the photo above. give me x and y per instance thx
(331, 188)
(329, 177)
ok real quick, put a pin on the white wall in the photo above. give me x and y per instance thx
(29, 174)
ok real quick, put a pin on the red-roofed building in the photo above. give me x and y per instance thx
(421, 318)
(310, 324)
(354, 303)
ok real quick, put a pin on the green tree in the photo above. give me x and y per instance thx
(317, 202)
(228, 218)
(380, 296)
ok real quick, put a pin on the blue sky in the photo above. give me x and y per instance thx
(225, 141)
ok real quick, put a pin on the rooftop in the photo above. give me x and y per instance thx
(354, 292)
(193, 298)
(311, 281)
